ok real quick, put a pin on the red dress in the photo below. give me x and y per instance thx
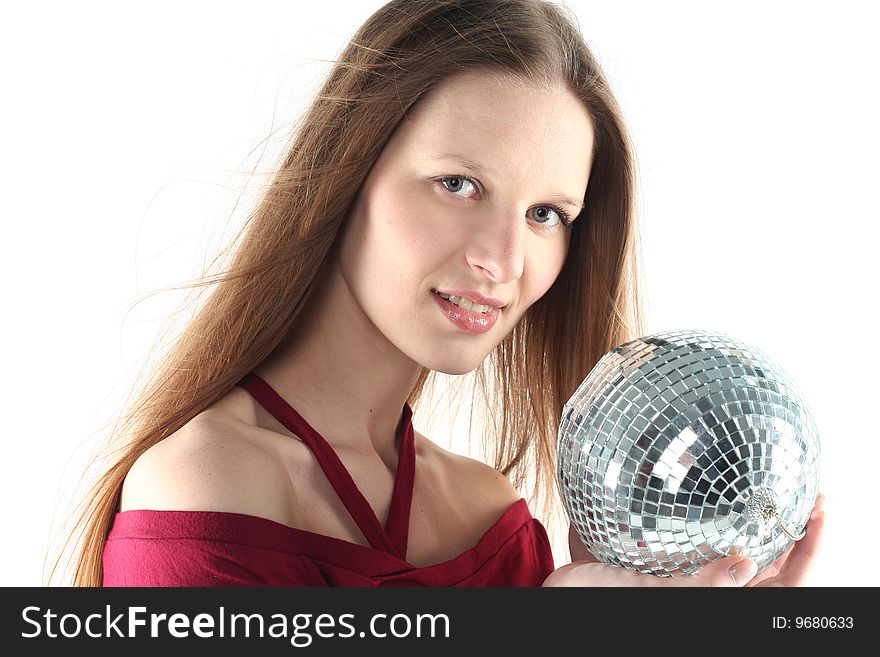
(213, 548)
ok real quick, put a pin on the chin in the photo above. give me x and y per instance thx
(455, 370)
(454, 366)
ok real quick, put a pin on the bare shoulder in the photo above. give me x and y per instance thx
(476, 481)
(208, 465)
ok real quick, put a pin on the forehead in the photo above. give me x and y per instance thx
(509, 125)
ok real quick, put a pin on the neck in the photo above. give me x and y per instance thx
(341, 373)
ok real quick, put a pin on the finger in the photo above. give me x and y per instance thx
(799, 563)
(729, 571)
(726, 572)
(770, 572)
(735, 550)
(596, 574)
(773, 570)
(802, 557)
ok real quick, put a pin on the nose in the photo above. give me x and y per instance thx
(497, 248)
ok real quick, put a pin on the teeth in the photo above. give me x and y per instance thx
(461, 302)
(467, 304)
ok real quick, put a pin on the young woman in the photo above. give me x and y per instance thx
(458, 198)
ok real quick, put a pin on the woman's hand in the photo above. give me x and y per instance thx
(794, 566)
(790, 569)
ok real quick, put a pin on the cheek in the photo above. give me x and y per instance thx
(404, 219)
(544, 267)
(398, 239)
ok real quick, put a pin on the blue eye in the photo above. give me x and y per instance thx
(544, 212)
(455, 184)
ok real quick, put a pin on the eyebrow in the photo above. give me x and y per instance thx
(475, 166)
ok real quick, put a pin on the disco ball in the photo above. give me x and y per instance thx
(683, 447)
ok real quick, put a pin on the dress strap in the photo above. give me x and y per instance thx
(393, 537)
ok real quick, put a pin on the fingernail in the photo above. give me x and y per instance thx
(742, 571)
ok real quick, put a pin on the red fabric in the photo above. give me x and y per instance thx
(211, 548)
(205, 548)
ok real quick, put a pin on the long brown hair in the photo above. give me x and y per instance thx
(402, 51)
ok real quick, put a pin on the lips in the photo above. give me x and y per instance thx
(461, 302)
(474, 297)
(465, 320)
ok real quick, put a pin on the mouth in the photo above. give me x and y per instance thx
(465, 303)
(467, 316)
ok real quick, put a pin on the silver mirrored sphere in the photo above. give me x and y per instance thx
(683, 447)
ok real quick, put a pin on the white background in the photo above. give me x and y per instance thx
(123, 129)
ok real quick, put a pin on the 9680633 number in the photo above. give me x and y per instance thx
(813, 622)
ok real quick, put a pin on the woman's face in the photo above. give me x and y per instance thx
(465, 198)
